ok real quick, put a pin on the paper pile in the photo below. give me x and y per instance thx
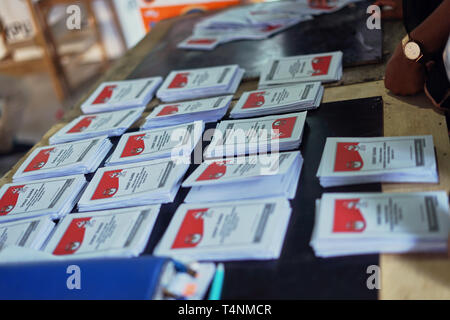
(200, 83)
(137, 184)
(256, 176)
(366, 223)
(27, 233)
(324, 67)
(176, 141)
(348, 161)
(52, 197)
(125, 94)
(257, 135)
(254, 22)
(278, 100)
(109, 123)
(244, 230)
(207, 110)
(113, 233)
(79, 157)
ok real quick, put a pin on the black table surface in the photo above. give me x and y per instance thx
(298, 274)
(344, 30)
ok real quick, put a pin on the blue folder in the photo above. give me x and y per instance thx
(105, 279)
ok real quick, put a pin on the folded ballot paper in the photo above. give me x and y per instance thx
(90, 126)
(348, 161)
(176, 141)
(250, 177)
(257, 135)
(324, 67)
(207, 110)
(365, 223)
(135, 184)
(79, 157)
(52, 197)
(200, 83)
(111, 233)
(299, 97)
(243, 230)
(125, 94)
(27, 233)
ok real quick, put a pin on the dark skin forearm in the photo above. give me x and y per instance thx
(433, 32)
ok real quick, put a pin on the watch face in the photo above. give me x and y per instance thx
(412, 50)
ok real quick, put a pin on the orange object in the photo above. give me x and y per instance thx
(153, 11)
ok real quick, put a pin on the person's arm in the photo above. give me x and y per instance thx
(407, 77)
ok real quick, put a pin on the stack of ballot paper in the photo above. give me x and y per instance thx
(257, 135)
(278, 100)
(109, 123)
(207, 110)
(79, 157)
(113, 233)
(176, 141)
(27, 233)
(255, 176)
(324, 67)
(243, 230)
(365, 223)
(254, 22)
(200, 83)
(125, 94)
(135, 184)
(348, 161)
(52, 197)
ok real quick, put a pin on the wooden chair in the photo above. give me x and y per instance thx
(51, 60)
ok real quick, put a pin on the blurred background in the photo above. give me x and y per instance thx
(46, 65)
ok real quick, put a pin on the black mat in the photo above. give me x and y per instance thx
(343, 30)
(298, 273)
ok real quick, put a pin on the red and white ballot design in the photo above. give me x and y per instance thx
(323, 67)
(53, 197)
(386, 159)
(142, 183)
(120, 232)
(200, 43)
(213, 172)
(157, 143)
(381, 221)
(245, 136)
(227, 230)
(116, 95)
(47, 159)
(189, 107)
(28, 233)
(200, 83)
(289, 98)
(89, 126)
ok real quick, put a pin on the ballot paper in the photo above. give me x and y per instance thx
(238, 230)
(257, 135)
(111, 233)
(277, 100)
(200, 83)
(175, 141)
(51, 197)
(324, 67)
(348, 161)
(90, 126)
(366, 223)
(250, 177)
(207, 110)
(136, 184)
(27, 233)
(125, 94)
(79, 157)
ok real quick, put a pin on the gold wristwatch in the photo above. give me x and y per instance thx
(412, 49)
